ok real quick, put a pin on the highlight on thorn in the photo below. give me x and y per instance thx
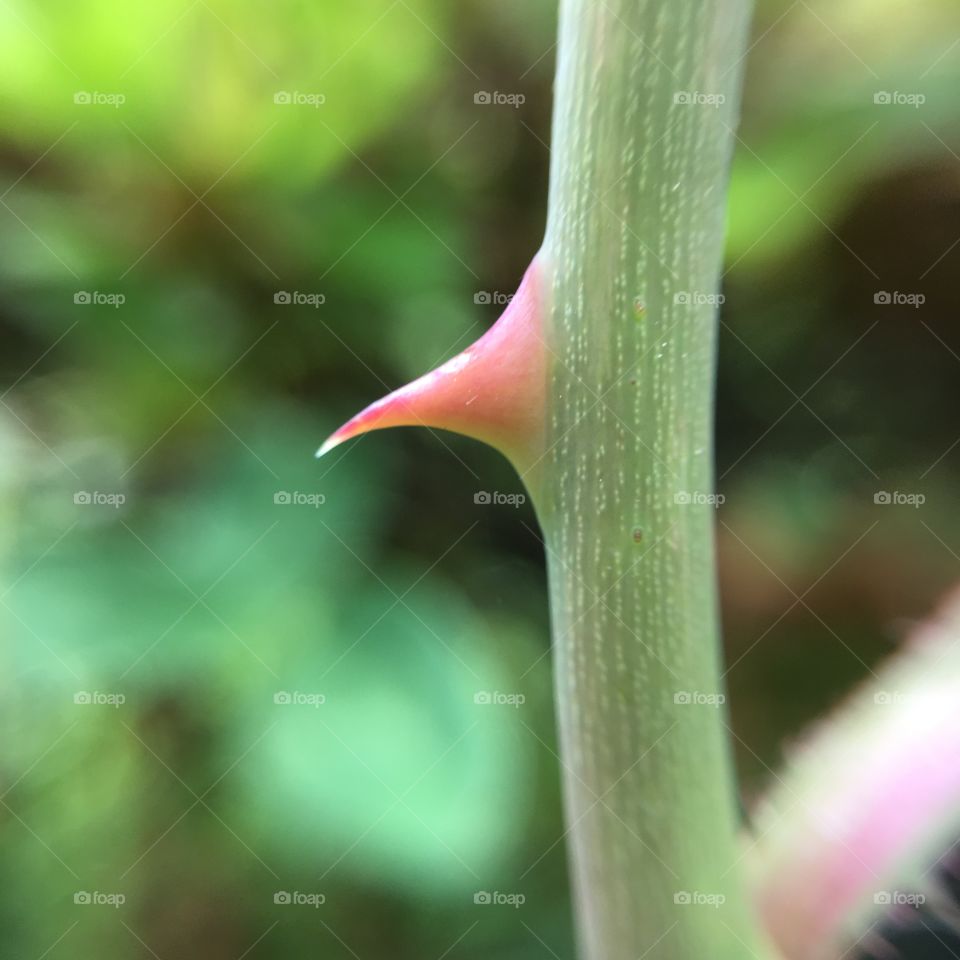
(494, 391)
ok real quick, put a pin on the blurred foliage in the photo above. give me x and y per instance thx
(398, 599)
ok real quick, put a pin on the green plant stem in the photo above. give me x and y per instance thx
(633, 252)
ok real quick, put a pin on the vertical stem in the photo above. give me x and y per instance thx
(647, 96)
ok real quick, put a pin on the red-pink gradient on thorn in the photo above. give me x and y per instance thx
(494, 391)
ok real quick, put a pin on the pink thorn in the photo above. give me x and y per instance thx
(494, 391)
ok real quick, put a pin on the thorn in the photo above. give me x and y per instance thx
(493, 391)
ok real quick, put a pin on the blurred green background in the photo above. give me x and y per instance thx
(225, 228)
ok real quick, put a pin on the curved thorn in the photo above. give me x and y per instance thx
(494, 391)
